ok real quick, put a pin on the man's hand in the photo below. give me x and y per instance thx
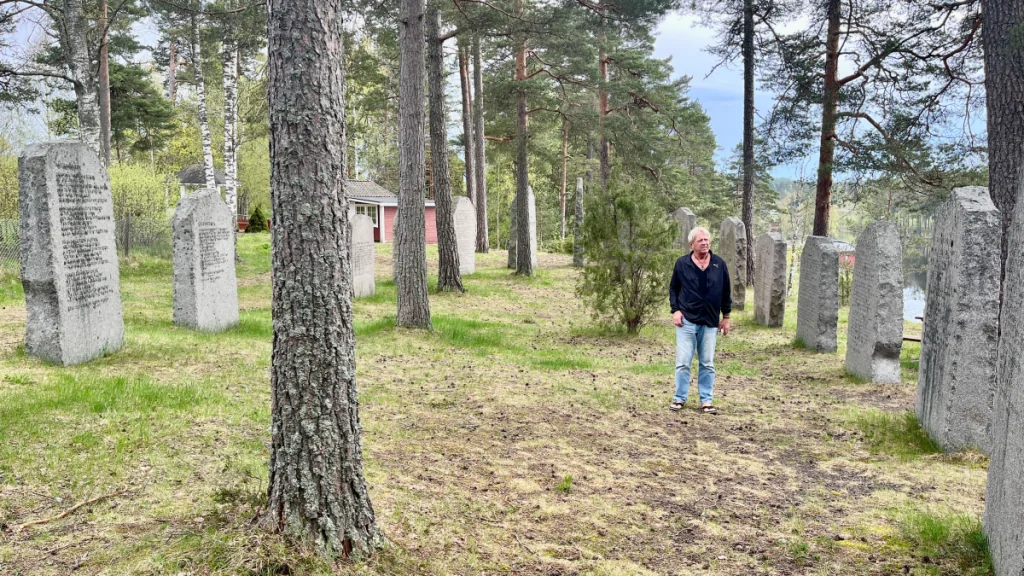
(724, 326)
(677, 319)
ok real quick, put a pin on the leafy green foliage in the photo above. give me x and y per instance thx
(565, 485)
(628, 248)
(257, 220)
(137, 192)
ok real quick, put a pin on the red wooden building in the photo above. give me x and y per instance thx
(380, 205)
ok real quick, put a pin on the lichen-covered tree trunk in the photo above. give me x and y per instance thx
(829, 108)
(448, 277)
(1004, 90)
(317, 492)
(467, 119)
(74, 35)
(577, 227)
(483, 242)
(524, 247)
(410, 259)
(748, 135)
(204, 121)
(604, 149)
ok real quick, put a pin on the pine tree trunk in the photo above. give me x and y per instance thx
(74, 37)
(565, 165)
(467, 120)
(604, 150)
(448, 277)
(1004, 87)
(410, 261)
(172, 74)
(483, 242)
(524, 247)
(104, 85)
(748, 135)
(204, 122)
(577, 227)
(317, 493)
(829, 108)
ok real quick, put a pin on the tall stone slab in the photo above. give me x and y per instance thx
(465, 233)
(817, 309)
(732, 247)
(68, 256)
(686, 220)
(957, 374)
(1004, 494)
(364, 281)
(875, 329)
(770, 279)
(532, 207)
(577, 227)
(205, 286)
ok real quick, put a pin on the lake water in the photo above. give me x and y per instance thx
(913, 297)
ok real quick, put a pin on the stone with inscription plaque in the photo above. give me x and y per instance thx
(465, 233)
(361, 237)
(68, 257)
(205, 287)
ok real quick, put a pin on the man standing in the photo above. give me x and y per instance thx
(698, 293)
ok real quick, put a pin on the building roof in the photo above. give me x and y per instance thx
(194, 175)
(843, 246)
(367, 189)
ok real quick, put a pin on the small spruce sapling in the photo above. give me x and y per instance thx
(257, 220)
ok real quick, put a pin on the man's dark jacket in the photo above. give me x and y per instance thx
(700, 294)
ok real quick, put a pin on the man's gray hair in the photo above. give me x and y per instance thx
(693, 234)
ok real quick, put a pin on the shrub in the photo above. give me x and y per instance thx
(137, 192)
(627, 241)
(257, 220)
(845, 282)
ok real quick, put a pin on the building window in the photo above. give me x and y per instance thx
(370, 211)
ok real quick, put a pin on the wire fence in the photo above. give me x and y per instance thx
(133, 236)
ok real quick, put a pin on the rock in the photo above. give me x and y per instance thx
(465, 233)
(69, 267)
(732, 246)
(205, 287)
(364, 281)
(875, 335)
(956, 378)
(817, 313)
(770, 279)
(686, 220)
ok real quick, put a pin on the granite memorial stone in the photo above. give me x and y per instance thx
(817, 309)
(68, 256)
(770, 279)
(875, 330)
(732, 246)
(957, 373)
(686, 220)
(364, 282)
(465, 233)
(205, 287)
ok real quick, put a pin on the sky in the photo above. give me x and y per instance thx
(721, 94)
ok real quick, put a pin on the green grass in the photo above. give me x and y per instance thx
(894, 433)
(475, 335)
(953, 544)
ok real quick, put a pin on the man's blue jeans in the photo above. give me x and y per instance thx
(692, 337)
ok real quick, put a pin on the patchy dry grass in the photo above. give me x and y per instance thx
(518, 437)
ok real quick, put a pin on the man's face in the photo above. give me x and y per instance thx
(701, 244)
